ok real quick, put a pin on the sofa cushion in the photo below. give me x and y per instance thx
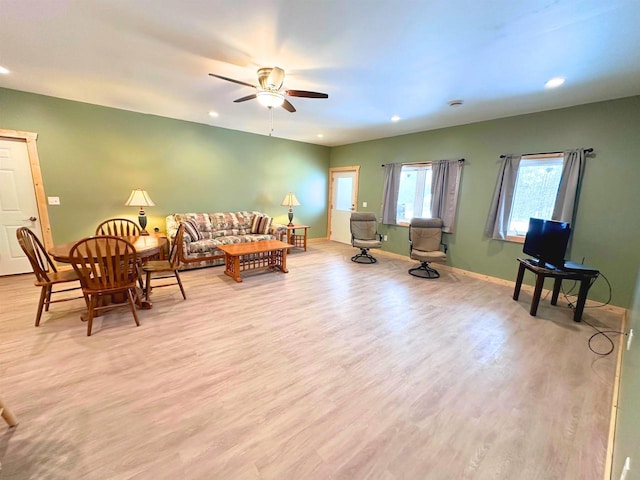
(260, 224)
(229, 221)
(200, 219)
(191, 229)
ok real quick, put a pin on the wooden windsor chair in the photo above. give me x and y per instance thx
(47, 275)
(118, 227)
(107, 266)
(166, 268)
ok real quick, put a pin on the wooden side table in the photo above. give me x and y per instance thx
(585, 278)
(297, 240)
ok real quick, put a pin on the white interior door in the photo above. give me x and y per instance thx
(18, 206)
(344, 194)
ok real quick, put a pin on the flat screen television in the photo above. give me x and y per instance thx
(547, 241)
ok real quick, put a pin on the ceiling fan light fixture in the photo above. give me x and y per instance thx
(270, 99)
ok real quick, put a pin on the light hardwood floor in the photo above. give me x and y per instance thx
(332, 371)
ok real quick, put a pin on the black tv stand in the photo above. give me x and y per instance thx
(584, 275)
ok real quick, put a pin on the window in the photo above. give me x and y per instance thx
(414, 195)
(535, 192)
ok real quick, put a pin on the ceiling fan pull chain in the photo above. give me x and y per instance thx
(270, 120)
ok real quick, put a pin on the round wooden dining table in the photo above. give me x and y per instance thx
(147, 246)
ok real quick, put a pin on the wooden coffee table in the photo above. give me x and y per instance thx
(243, 257)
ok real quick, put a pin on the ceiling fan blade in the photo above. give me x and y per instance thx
(304, 93)
(244, 99)
(288, 107)
(232, 80)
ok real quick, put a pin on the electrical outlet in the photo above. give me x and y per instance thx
(53, 200)
(625, 469)
(386, 238)
(629, 338)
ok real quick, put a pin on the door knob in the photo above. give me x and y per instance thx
(32, 219)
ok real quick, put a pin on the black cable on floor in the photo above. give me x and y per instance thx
(571, 304)
(602, 332)
(598, 331)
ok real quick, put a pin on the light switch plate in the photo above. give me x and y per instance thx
(364, 204)
(53, 200)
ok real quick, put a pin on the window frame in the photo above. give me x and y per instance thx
(539, 156)
(422, 166)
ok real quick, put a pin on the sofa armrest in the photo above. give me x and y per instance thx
(277, 230)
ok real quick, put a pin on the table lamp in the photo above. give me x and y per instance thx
(140, 198)
(290, 201)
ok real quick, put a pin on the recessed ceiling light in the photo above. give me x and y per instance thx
(554, 82)
(213, 114)
(395, 118)
(4, 71)
(455, 103)
(320, 135)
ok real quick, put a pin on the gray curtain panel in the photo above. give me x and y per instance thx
(445, 183)
(392, 173)
(498, 219)
(568, 190)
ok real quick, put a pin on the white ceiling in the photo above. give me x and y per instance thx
(374, 58)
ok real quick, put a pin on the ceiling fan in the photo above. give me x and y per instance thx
(269, 92)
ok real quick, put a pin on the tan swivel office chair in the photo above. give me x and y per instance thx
(425, 245)
(364, 235)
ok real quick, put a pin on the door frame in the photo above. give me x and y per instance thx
(36, 177)
(352, 168)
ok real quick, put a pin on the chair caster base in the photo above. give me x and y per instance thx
(363, 257)
(424, 271)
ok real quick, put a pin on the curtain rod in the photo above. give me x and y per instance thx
(461, 160)
(586, 150)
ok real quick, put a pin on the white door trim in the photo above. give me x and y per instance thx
(36, 175)
(352, 168)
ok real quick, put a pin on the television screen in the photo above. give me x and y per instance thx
(547, 241)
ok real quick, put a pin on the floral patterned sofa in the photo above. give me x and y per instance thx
(219, 228)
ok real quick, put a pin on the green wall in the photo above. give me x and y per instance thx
(607, 225)
(627, 439)
(92, 157)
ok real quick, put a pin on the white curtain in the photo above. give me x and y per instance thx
(445, 183)
(392, 172)
(569, 188)
(498, 219)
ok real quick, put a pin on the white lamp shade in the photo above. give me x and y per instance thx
(270, 99)
(290, 200)
(139, 198)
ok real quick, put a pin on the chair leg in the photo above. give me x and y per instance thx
(93, 300)
(48, 300)
(8, 415)
(43, 297)
(180, 284)
(147, 288)
(130, 295)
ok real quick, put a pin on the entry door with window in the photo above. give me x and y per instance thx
(18, 205)
(343, 195)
